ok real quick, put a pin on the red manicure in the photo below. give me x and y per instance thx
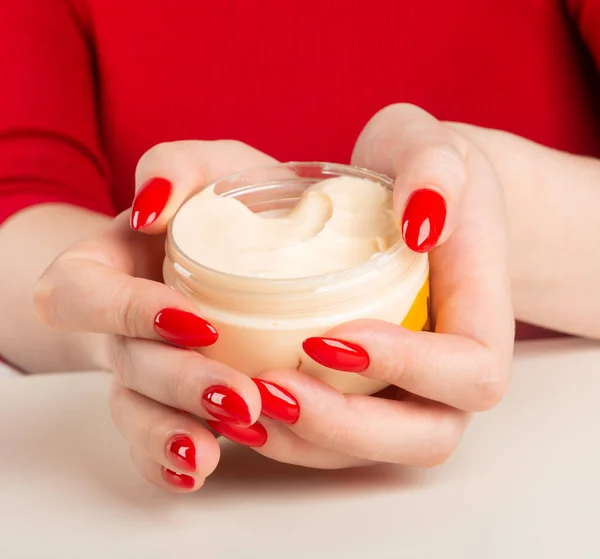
(150, 202)
(182, 452)
(227, 405)
(277, 403)
(255, 435)
(181, 481)
(337, 354)
(423, 220)
(185, 328)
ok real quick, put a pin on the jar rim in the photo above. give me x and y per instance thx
(340, 276)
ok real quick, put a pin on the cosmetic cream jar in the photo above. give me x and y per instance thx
(262, 322)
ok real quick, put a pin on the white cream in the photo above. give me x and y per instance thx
(338, 224)
(268, 281)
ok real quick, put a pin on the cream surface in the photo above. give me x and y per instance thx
(337, 224)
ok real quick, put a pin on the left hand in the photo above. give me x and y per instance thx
(439, 377)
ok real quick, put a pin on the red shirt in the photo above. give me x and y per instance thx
(89, 85)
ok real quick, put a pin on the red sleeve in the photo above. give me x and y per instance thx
(49, 147)
(586, 14)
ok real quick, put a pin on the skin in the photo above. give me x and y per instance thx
(505, 197)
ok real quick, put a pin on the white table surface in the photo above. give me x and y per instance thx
(6, 371)
(524, 484)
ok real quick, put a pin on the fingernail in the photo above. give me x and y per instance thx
(255, 435)
(277, 403)
(184, 328)
(182, 452)
(226, 405)
(337, 354)
(423, 220)
(149, 202)
(181, 481)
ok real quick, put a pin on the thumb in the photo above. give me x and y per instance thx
(427, 160)
(170, 172)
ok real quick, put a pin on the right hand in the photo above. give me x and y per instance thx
(111, 284)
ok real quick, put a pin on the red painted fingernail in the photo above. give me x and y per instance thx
(423, 220)
(181, 481)
(149, 202)
(337, 354)
(255, 435)
(182, 452)
(184, 328)
(227, 405)
(277, 403)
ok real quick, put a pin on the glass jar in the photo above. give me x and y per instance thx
(263, 322)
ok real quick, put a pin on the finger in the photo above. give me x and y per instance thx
(185, 380)
(90, 287)
(168, 173)
(285, 446)
(447, 368)
(162, 477)
(428, 163)
(406, 432)
(165, 435)
(472, 283)
(274, 440)
(470, 288)
(110, 300)
(79, 293)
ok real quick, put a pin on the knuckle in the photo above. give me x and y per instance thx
(407, 365)
(444, 439)
(459, 138)
(490, 394)
(404, 109)
(392, 372)
(148, 434)
(44, 294)
(152, 162)
(43, 299)
(179, 380)
(341, 431)
(436, 152)
(491, 385)
(384, 120)
(117, 358)
(127, 313)
(153, 153)
(443, 159)
(246, 155)
(336, 438)
(435, 460)
(232, 144)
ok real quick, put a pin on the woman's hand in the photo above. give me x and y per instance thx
(448, 200)
(111, 283)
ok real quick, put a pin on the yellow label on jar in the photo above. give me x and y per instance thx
(417, 318)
